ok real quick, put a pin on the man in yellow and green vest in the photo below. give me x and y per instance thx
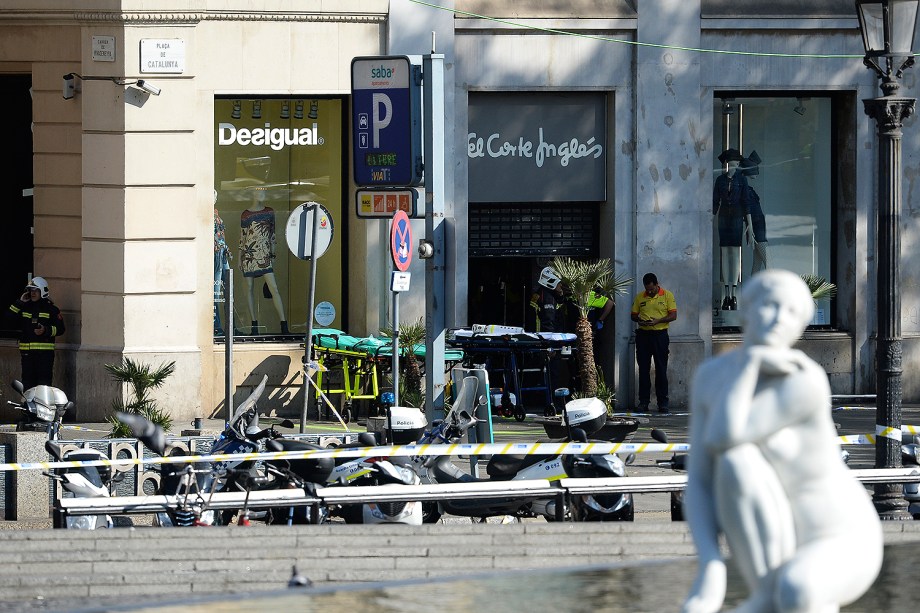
(39, 322)
(653, 309)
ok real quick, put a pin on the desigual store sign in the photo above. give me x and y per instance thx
(270, 156)
(275, 138)
(537, 147)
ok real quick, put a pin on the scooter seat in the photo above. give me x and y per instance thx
(505, 467)
(365, 439)
(314, 470)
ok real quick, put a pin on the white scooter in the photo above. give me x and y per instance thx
(43, 408)
(404, 425)
(583, 417)
(910, 456)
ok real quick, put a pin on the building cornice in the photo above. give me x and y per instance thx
(176, 18)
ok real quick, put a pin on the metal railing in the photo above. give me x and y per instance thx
(531, 488)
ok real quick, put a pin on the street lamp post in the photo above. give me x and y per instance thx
(887, 28)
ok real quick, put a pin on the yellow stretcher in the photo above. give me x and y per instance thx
(357, 360)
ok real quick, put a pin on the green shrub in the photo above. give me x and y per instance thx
(141, 379)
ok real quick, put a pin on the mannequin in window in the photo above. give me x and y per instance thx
(257, 254)
(756, 222)
(222, 259)
(730, 195)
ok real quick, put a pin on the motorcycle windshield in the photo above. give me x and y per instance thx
(249, 402)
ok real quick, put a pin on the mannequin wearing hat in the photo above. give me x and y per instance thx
(730, 197)
(257, 253)
(756, 222)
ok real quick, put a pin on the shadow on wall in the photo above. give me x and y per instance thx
(283, 393)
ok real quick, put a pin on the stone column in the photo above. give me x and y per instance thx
(673, 216)
(143, 211)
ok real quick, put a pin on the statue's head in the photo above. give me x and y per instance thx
(777, 308)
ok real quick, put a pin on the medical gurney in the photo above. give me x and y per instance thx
(360, 362)
(513, 353)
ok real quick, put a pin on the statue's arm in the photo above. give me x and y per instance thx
(803, 392)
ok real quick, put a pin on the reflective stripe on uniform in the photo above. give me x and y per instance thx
(36, 346)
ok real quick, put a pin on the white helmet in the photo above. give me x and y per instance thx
(40, 284)
(548, 278)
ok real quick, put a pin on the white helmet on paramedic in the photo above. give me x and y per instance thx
(548, 278)
(40, 284)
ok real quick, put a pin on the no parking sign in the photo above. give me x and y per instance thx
(401, 241)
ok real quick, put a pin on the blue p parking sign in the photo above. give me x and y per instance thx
(386, 121)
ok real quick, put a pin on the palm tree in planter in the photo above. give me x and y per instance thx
(582, 279)
(410, 335)
(140, 379)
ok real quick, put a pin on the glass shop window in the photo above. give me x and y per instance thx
(270, 156)
(771, 206)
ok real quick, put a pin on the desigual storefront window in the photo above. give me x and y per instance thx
(771, 196)
(270, 156)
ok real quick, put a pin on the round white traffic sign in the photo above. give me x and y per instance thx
(299, 230)
(324, 313)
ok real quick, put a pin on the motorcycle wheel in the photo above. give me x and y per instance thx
(352, 513)
(677, 509)
(431, 513)
(626, 514)
(519, 413)
(549, 411)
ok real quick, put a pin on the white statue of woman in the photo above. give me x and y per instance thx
(765, 469)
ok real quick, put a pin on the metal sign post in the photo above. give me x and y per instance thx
(401, 251)
(309, 233)
(229, 327)
(308, 339)
(435, 186)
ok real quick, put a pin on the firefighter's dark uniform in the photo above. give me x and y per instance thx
(37, 351)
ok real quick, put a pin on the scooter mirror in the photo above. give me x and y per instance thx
(17, 385)
(287, 423)
(63, 410)
(54, 450)
(660, 436)
(630, 459)
(152, 435)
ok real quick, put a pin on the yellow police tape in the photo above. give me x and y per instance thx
(381, 451)
(463, 449)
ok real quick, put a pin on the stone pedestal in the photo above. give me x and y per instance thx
(28, 491)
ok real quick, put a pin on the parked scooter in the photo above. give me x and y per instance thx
(910, 456)
(678, 462)
(403, 425)
(582, 416)
(193, 484)
(43, 408)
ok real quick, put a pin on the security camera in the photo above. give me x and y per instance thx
(68, 87)
(425, 249)
(150, 88)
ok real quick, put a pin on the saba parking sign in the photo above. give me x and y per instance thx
(386, 121)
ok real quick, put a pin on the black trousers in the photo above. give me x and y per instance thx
(653, 345)
(37, 367)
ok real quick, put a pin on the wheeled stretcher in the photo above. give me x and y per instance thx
(512, 355)
(360, 361)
